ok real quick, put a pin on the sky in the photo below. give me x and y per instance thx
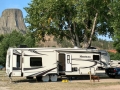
(20, 4)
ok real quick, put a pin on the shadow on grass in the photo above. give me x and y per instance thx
(87, 77)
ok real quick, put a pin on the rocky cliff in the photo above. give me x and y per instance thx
(12, 19)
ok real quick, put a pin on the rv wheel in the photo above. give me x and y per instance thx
(45, 78)
(53, 78)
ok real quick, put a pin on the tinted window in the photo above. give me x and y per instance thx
(105, 54)
(96, 57)
(9, 61)
(35, 61)
(18, 60)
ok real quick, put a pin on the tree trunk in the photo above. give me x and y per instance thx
(93, 30)
(88, 40)
(72, 36)
(76, 36)
(85, 44)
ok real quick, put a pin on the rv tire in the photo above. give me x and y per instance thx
(53, 78)
(45, 78)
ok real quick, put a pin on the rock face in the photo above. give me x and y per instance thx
(12, 19)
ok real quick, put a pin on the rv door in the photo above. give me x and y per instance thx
(68, 62)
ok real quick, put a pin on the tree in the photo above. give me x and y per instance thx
(114, 56)
(14, 39)
(115, 21)
(77, 20)
(29, 39)
(63, 43)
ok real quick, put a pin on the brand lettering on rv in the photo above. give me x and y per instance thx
(85, 56)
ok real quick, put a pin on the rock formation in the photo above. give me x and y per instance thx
(12, 19)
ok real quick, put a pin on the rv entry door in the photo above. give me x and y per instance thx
(68, 62)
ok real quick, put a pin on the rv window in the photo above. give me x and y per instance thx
(18, 60)
(68, 58)
(35, 61)
(9, 61)
(96, 57)
(105, 54)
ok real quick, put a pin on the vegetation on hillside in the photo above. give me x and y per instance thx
(99, 43)
(103, 44)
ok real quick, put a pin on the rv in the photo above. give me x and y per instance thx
(115, 63)
(49, 63)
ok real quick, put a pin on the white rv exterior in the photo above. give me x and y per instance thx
(48, 63)
(115, 63)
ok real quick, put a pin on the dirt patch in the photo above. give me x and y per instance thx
(4, 88)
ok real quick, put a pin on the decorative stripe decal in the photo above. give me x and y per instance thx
(82, 59)
(15, 52)
(95, 63)
(103, 63)
(90, 60)
(43, 72)
(32, 68)
(33, 51)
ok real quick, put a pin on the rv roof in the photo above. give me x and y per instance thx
(56, 49)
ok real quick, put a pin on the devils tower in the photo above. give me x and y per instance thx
(12, 19)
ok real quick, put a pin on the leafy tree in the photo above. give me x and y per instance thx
(14, 39)
(63, 43)
(115, 12)
(1, 37)
(29, 39)
(114, 56)
(77, 20)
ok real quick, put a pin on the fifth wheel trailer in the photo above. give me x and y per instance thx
(49, 63)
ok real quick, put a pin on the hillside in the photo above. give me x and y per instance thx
(51, 41)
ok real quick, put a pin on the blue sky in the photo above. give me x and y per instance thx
(20, 4)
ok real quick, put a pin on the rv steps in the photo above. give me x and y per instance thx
(64, 78)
